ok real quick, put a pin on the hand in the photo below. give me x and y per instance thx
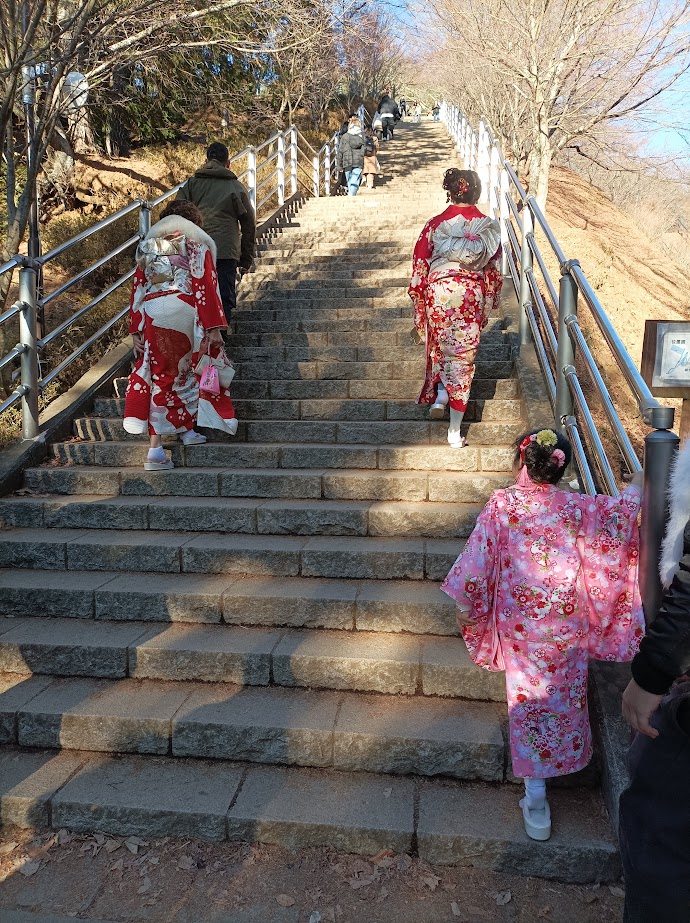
(215, 337)
(243, 270)
(138, 344)
(638, 707)
(637, 479)
(462, 617)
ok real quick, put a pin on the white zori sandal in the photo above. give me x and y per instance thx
(456, 441)
(157, 460)
(438, 409)
(537, 820)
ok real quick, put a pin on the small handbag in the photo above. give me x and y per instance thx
(221, 363)
(210, 381)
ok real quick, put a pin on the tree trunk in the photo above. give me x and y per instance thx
(539, 168)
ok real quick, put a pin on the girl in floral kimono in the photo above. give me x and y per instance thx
(456, 283)
(176, 316)
(548, 580)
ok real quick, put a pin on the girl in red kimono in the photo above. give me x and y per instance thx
(548, 580)
(456, 283)
(176, 316)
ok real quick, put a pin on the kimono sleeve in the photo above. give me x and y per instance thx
(471, 580)
(610, 558)
(207, 296)
(136, 303)
(493, 283)
(421, 259)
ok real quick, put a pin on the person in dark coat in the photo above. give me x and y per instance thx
(228, 219)
(655, 808)
(389, 112)
(350, 157)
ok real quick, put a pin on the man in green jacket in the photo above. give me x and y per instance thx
(228, 218)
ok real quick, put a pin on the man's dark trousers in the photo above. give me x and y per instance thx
(655, 818)
(227, 282)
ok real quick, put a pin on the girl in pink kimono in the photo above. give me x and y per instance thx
(547, 580)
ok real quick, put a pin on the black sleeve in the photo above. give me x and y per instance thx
(248, 227)
(665, 650)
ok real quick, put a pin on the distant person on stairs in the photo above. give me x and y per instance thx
(548, 580)
(350, 159)
(456, 283)
(436, 112)
(371, 167)
(388, 109)
(228, 219)
(176, 316)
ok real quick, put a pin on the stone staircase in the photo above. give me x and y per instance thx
(253, 645)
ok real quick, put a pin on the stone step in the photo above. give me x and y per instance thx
(388, 432)
(268, 602)
(356, 661)
(271, 725)
(333, 389)
(395, 274)
(347, 261)
(493, 335)
(449, 823)
(345, 410)
(279, 455)
(333, 557)
(488, 351)
(247, 516)
(255, 322)
(298, 483)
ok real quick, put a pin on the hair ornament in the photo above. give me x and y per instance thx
(462, 186)
(558, 455)
(525, 442)
(546, 438)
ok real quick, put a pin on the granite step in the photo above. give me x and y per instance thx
(269, 725)
(268, 602)
(327, 408)
(339, 389)
(341, 353)
(245, 516)
(278, 455)
(386, 432)
(149, 551)
(356, 661)
(448, 823)
(307, 484)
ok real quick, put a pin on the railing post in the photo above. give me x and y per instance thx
(144, 219)
(327, 170)
(494, 174)
(525, 268)
(316, 170)
(293, 161)
(251, 176)
(281, 170)
(567, 306)
(29, 357)
(659, 450)
(505, 218)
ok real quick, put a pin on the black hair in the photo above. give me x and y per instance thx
(184, 209)
(218, 151)
(463, 187)
(538, 458)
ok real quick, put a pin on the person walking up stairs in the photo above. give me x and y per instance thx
(253, 644)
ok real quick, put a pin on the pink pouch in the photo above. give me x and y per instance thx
(209, 380)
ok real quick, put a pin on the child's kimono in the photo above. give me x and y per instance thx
(550, 579)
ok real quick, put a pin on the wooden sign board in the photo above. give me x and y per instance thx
(666, 363)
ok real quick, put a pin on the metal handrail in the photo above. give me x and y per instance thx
(84, 235)
(80, 276)
(556, 350)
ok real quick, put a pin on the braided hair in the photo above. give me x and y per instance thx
(546, 454)
(463, 187)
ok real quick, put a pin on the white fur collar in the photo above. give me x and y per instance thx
(679, 494)
(173, 223)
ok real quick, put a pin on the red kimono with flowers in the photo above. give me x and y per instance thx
(175, 300)
(550, 580)
(450, 311)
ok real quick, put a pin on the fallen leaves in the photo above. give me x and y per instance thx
(616, 891)
(503, 898)
(29, 867)
(454, 909)
(284, 900)
(186, 863)
(7, 848)
(431, 881)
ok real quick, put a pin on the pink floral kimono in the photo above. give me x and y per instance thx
(550, 579)
(456, 283)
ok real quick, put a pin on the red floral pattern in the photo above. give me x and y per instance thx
(556, 572)
(450, 311)
(162, 396)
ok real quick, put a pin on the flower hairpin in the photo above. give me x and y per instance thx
(462, 186)
(545, 438)
(558, 455)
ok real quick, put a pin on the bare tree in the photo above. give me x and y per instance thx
(553, 72)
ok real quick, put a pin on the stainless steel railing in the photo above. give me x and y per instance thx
(272, 172)
(549, 319)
